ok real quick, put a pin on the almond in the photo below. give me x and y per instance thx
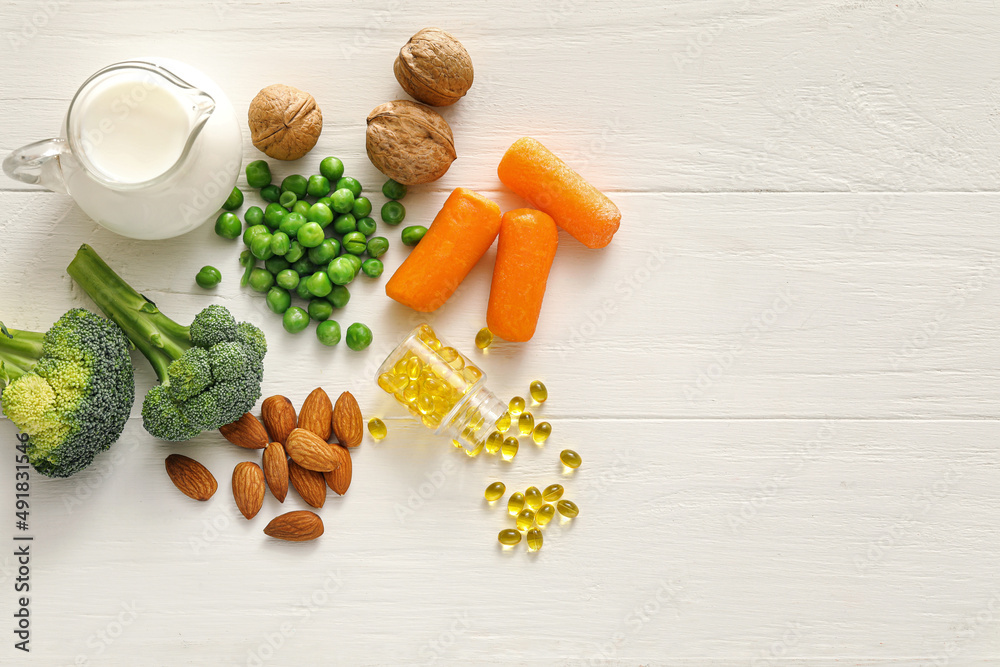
(278, 414)
(310, 484)
(247, 432)
(316, 413)
(299, 526)
(275, 465)
(248, 488)
(347, 422)
(192, 478)
(310, 452)
(340, 478)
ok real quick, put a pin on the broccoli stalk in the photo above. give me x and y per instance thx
(19, 352)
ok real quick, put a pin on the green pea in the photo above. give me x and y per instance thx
(295, 251)
(274, 214)
(355, 263)
(321, 214)
(332, 168)
(280, 243)
(377, 246)
(251, 232)
(318, 186)
(287, 279)
(324, 252)
(288, 200)
(319, 284)
(351, 184)
(358, 336)
(310, 235)
(209, 277)
(258, 174)
(278, 300)
(367, 226)
(339, 296)
(345, 223)
(320, 309)
(393, 190)
(260, 246)
(354, 243)
(261, 280)
(234, 200)
(301, 207)
(304, 267)
(228, 226)
(302, 290)
(271, 193)
(292, 223)
(343, 200)
(372, 267)
(254, 216)
(341, 271)
(297, 184)
(393, 212)
(325, 201)
(295, 320)
(411, 235)
(328, 333)
(362, 207)
(276, 264)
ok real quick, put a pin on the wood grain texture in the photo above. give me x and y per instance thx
(781, 374)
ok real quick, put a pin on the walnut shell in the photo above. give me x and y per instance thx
(409, 142)
(285, 122)
(434, 67)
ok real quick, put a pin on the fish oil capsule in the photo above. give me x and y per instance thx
(552, 493)
(484, 338)
(525, 423)
(493, 442)
(413, 368)
(411, 392)
(516, 406)
(456, 443)
(538, 391)
(472, 374)
(475, 452)
(541, 432)
(570, 458)
(425, 404)
(385, 382)
(509, 537)
(495, 491)
(503, 424)
(568, 509)
(533, 497)
(525, 519)
(515, 503)
(534, 538)
(508, 450)
(545, 514)
(377, 428)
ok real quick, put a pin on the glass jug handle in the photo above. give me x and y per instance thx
(38, 164)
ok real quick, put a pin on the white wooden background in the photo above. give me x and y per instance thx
(782, 374)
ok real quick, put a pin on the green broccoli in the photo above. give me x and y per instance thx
(210, 372)
(70, 389)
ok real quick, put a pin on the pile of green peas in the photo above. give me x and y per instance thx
(311, 240)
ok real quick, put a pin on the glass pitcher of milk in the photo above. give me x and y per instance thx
(150, 149)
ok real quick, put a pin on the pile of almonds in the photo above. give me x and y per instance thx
(296, 449)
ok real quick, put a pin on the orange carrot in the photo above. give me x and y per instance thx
(527, 245)
(536, 174)
(462, 232)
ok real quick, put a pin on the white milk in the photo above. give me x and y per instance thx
(133, 129)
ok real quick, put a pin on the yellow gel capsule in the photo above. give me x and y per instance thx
(475, 452)
(545, 514)
(425, 404)
(493, 442)
(534, 538)
(503, 424)
(568, 509)
(385, 382)
(484, 338)
(472, 374)
(495, 491)
(377, 428)
(552, 493)
(456, 443)
(570, 458)
(509, 537)
(413, 368)
(541, 432)
(516, 406)
(525, 519)
(411, 392)
(515, 503)
(538, 391)
(533, 497)
(525, 423)
(508, 450)
(448, 354)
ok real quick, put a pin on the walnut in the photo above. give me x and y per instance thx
(434, 68)
(409, 142)
(284, 122)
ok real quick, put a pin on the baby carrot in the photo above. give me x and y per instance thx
(462, 232)
(535, 173)
(528, 241)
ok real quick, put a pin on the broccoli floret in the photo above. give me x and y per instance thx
(70, 389)
(210, 372)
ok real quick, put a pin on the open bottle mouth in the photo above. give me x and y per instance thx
(130, 105)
